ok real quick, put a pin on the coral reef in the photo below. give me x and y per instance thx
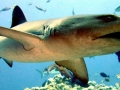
(59, 82)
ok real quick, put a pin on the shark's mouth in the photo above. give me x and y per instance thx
(115, 35)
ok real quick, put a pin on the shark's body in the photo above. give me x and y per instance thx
(65, 40)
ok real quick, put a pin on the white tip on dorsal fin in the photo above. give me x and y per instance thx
(17, 16)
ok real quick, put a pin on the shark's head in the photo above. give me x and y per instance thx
(94, 26)
(89, 30)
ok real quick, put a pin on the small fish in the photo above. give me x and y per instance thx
(5, 9)
(73, 12)
(51, 67)
(45, 73)
(117, 9)
(30, 3)
(104, 75)
(106, 79)
(39, 8)
(55, 69)
(44, 83)
(65, 72)
(118, 54)
(47, 1)
(49, 70)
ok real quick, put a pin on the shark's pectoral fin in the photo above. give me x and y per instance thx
(24, 38)
(17, 16)
(10, 63)
(78, 67)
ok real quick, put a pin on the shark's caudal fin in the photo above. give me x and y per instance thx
(79, 70)
(17, 16)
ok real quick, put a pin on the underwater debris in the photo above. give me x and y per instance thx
(57, 83)
(65, 72)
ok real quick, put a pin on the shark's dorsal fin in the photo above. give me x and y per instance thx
(17, 16)
(78, 67)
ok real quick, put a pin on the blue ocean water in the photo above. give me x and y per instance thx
(23, 75)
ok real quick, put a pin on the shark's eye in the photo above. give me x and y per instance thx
(107, 18)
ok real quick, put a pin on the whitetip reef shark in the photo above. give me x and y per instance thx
(63, 40)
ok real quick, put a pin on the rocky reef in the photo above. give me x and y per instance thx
(59, 82)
